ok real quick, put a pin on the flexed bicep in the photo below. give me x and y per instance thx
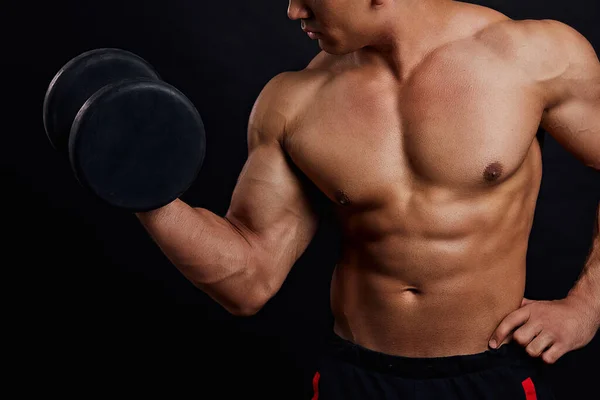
(271, 204)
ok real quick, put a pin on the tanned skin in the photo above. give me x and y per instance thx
(418, 121)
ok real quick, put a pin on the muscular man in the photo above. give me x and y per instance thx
(418, 121)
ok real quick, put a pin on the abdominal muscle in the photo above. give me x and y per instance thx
(440, 317)
(433, 290)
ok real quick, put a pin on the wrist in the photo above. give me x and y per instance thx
(587, 304)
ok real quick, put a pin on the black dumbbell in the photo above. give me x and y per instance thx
(134, 140)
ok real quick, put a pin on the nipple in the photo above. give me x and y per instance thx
(493, 172)
(342, 198)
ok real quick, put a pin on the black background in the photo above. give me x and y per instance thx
(91, 304)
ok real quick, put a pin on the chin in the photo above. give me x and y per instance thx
(334, 48)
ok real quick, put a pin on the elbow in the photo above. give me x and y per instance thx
(237, 301)
(249, 306)
(595, 161)
(250, 296)
(242, 311)
(251, 301)
(259, 286)
(243, 291)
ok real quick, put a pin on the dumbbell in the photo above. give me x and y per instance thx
(133, 140)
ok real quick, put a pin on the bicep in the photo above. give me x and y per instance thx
(572, 114)
(271, 209)
(575, 125)
(271, 205)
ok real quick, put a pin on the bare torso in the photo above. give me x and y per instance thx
(434, 179)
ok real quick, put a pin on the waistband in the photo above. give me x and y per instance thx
(510, 354)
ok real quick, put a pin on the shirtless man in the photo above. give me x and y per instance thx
(418, 121)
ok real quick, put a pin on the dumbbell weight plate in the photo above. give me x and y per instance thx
(137, 144)
(79, 79)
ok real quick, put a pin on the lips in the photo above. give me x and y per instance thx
(311, 33)
(307, 29)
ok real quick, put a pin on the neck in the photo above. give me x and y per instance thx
(415, 28)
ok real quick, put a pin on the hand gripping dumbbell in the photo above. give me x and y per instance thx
(134, 140)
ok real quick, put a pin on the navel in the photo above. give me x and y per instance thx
(342, 198)
(493, 172)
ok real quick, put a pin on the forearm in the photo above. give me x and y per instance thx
(587, 288)
(208, 250)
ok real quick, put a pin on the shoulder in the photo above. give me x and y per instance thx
(553, 56)
(288, 90)
(544, 49)
(545, 35)
(283, 99)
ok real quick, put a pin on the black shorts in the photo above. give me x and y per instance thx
(348, 371)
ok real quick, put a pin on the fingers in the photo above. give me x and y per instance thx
(545, 345)
(538, 345)
(510, 323)
(526, 333)
(552, 355)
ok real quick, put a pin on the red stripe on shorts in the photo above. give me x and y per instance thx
(316, 386)
(529, 389)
